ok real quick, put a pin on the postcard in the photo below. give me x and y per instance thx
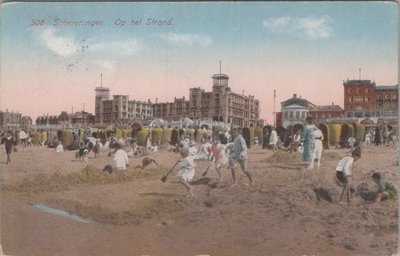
(199, 128)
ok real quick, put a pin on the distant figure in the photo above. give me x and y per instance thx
(386, 190)
(351, 141)
(368, 138)
(295, 141)
(121, 158)
(9, 142)
(274, 140)
(308, 141)
(318, 146)
(60, 147)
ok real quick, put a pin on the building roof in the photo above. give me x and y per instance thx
(357, 82)
(326, 108)
(297, 101)
(386, 87)
(220, 76)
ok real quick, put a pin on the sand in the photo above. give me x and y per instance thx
(287, 211)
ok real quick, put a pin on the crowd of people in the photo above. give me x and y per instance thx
(222, 150)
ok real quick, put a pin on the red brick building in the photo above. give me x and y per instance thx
(326, 112)
(363, 98)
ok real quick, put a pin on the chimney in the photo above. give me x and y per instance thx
(242, 92)
(294, 95)
(156, 100)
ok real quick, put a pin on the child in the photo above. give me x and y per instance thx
(386, 190)
(218, 157)
(238, 155)
(121, 158)
(186, 173)
(147, 161)
(343, 171)
(9, 142)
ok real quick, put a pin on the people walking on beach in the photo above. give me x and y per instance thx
(187, 171)
(308, 140)
(238, 155)
(318, 146)
(343, 172)
(8, 142)
(386, 190)
(121, 158)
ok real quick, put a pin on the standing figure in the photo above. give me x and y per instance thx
(9, 142)
(308, 141)
(274, 140)
(238, 155)
(317, 152)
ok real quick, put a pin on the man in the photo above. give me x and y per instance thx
(274, 140)
(9, 142)
(238, 155)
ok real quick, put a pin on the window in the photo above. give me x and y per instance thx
(366, 90)
(387, 97)
(350, 99)
(349, 90)
(366, 99)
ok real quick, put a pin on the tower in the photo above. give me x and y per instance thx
(102, 94)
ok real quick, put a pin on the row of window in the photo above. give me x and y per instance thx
(367, 98)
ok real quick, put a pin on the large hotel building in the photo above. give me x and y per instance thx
(219, 104)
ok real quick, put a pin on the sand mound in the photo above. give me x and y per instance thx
(284, 157)
(142, 211)
(56, 182)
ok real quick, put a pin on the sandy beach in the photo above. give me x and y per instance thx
(287, 211)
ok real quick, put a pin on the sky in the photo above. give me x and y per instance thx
(51, 63)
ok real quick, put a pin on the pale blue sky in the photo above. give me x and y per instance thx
(294, 47)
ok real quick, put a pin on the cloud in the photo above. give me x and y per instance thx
(126, 47)
(311, 27)
(59, 45)
(106, 64)
(185, 39)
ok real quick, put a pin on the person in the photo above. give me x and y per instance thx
(147, 161)
(187, 171)
(121, 158)
(273, 140)
(308, 141)
(204, 151)
(266, 139)
(60, 147)
(386, 190)
(96, 148)
(351, 141)
(368, 138)
(218, 157)
(238, 155)
(317, 152)
(295, 141)
(9, 142)
(343, 172)
(82, 153)
(385, 134)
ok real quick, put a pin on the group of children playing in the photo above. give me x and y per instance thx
(385, 190)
